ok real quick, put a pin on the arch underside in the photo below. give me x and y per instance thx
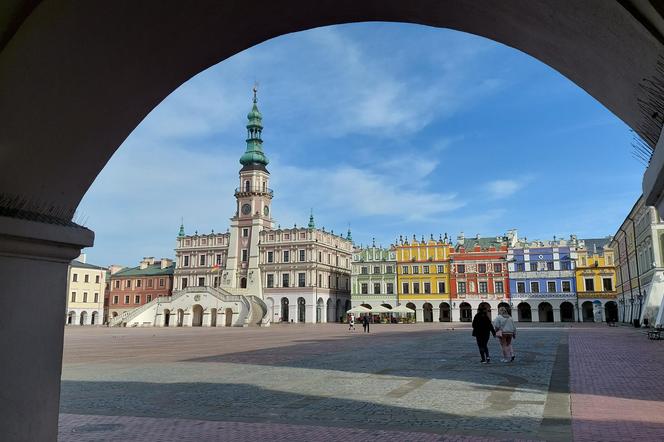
(74, 84)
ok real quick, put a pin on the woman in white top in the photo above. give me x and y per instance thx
(506, 332)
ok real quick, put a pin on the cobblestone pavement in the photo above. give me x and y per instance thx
(401, 382)
(617, 385)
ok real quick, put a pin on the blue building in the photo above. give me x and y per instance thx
(542, 280)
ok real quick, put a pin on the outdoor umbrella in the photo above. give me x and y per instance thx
(380, 309)
(359, 309)
(402, 309)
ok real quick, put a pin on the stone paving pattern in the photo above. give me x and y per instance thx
(401, 382)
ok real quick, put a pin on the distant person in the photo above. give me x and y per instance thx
(365, 323)
(351, 322)
(506, 332)
(482, 329)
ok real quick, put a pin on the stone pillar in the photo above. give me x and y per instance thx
(436, 314)
(419, 314)
(556, 315)
(310, 313)
(187, 318)
(33, 267)
(455, 314)
(292, 312)
(206, 318)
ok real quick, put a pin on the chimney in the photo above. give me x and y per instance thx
(147, 261)
(115, 268)
(166, 262)
(460, 239)
(82, 258)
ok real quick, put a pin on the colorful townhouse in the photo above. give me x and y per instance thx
(133, 287)
(85, 293)
(596, 281)
(423, 278)
(374, 277)
(479, 276)
(542, 280)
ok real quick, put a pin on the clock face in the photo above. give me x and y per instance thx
(266, 210)
(246, 209)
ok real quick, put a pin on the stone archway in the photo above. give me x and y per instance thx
(320, 306)
(566, 312)
(611, 311)
(167, 317)
(284, 310)
(180, 321)
(301, 310)
(587, 312)
(228, 317)
(427, 312)
(525, 312)
(71, 318)
(445, 312)
(465, 312)
(213, 317)
(94, 318)
(196, 315)
(545, 312)
(83, 318)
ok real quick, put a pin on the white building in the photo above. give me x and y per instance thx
(254, 274)
(85, 293)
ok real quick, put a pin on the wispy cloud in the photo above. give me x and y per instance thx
(499, 189)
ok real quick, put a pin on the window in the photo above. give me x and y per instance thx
(117, 284)
(139, 282)
(137, 299)
(404, 270)
(148, 298)
(245, 255)
(301, 281)
(302, 255)
(201, 260)
(441, 287)
(270, 280)
(549, 265)
(161, 282)
(245, 232)
(590, 284)
(270, 256)
(185, 262)
(320, 256)
(201, 282)
(521, 287)
(425, 270)
(566, 265)
(427, 287)
(286, 235)
(497, 268)
(441, 269)
(483, 287)
(388, 269)
(481, 268)
(567, 287)
(461, 287)
(128, 284)
(405, 288)
(499, 287)
(533, 266)
(376, 288)
(86, 278)
(285, 280)
(73, 296)
(416, 270)
(216, 281)
(364, 289)
(376, 269)
(85, 296)
(150, 282)
(389, 289)
(461, 268)
(96, 297)
(126, 299)
(303, 235)
(416, 288)
(218, 259)
(607, 283)
(320, 280)
(534, 287)
(551, 286)
(74, 277)
(520, 266)
(286, 256)
(184, 283)
(364, 270)
(116, 299)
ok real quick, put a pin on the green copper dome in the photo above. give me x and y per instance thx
(254, 153)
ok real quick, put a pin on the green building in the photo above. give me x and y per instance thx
(374, 277)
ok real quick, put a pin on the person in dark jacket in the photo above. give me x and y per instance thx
(365, 323)
(482, 329)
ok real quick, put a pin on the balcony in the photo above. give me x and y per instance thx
(251, 190)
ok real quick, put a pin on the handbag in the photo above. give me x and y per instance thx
(499, 334)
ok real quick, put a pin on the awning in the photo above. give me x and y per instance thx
(359, 309)
(402, 309)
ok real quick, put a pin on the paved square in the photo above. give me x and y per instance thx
(292, 382)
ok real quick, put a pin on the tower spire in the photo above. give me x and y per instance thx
(254, 155)
(181, 232)
(312, 224)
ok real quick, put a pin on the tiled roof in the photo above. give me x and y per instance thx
(484, 243)
(151, 270)
(83, 265)
(599, 243)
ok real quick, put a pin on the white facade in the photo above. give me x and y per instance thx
(85, 293)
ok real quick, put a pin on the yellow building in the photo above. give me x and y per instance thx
(85, 293)
(423, 277)
(596, 281)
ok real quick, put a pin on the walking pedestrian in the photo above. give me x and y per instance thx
(506, 332)
(365, 323)
(351, 322)
(482, 329)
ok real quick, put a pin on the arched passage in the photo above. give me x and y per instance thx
(525, 313)
(167, 317)
(94, 318)
(587, 313)
(213, 317)
(228, 316)
(466, 312)
(427, 312)
(83, 318)
(197, 316)
(301, 310)
(566, 312)
(611, 311)
(180, 321)
(320, 306)
(284, 309)
(444, 312)
(545, 311)
(71, 317)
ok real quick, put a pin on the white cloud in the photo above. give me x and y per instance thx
(499, 189)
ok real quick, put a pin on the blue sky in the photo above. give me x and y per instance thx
(395, 129)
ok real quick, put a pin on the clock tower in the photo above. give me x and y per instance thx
(252, 214)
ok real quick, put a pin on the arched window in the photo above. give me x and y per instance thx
(246, 186)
